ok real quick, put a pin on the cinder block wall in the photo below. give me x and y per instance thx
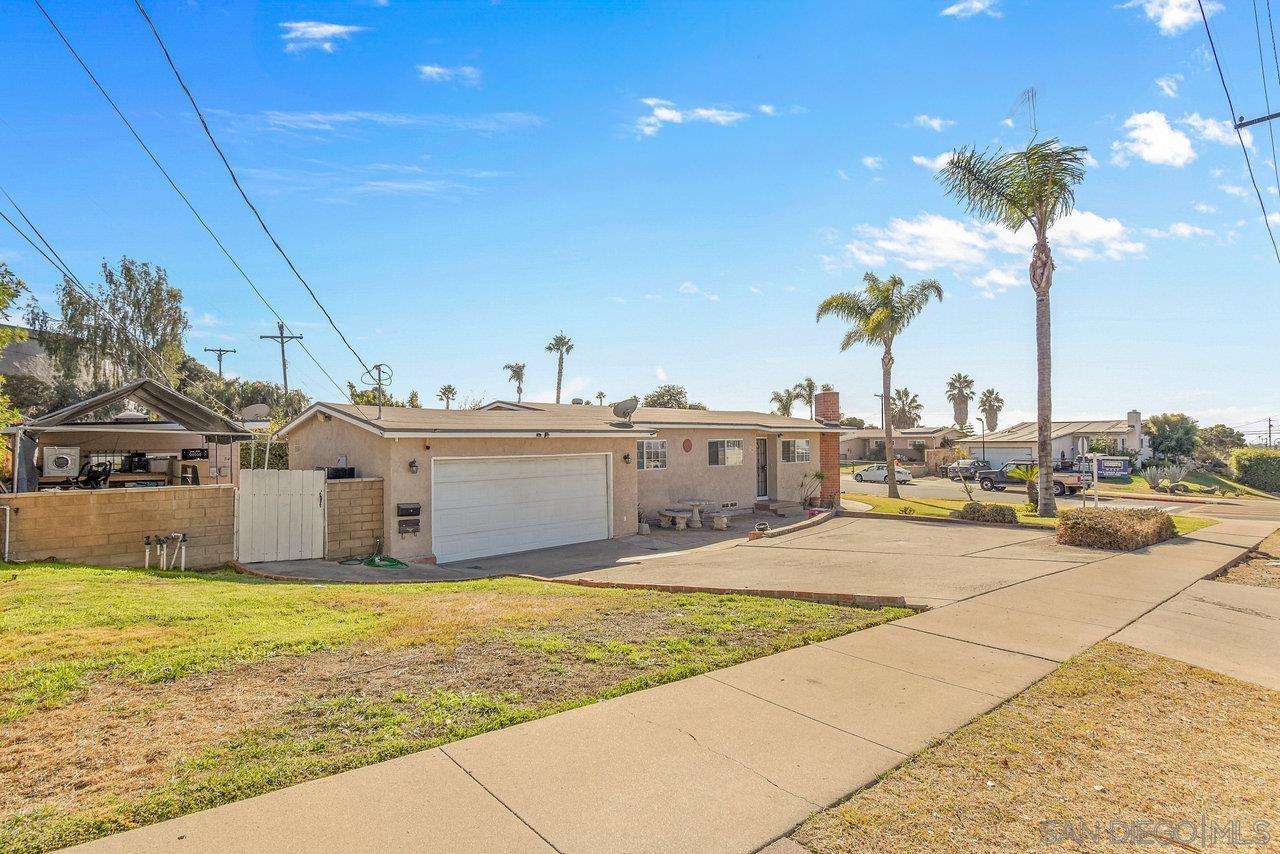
(107, 526)
(353, 517)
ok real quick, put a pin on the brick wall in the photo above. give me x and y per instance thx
(354, 517)
(107, 526)
(826, 405)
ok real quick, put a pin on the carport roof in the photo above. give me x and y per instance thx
(405, 422)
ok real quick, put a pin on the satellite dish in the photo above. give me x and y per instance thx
(255, 412)
(626, 408)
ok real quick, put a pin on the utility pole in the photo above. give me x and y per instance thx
(219, 352)
(1268, 432)
(283, 339)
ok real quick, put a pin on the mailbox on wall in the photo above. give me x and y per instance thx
(410, 526)
(409, 509)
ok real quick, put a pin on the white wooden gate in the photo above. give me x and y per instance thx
(280, 515)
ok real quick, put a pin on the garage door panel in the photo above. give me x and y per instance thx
(500, 505)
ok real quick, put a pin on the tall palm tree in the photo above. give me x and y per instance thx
(806, 392)
(515, 374)
(878, 314)
(990, 403)
(960, 392)
(600, 396)
(783, 401)
(905, 409)
(446, 395)
(1036, 188)
(561, 346)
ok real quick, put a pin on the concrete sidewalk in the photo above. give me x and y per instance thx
(728, 761)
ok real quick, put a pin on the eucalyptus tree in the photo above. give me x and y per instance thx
(990, 404)
(960, 392)
(806, 392)
(1035, 188)
(515, 374)
(877, 315)
(783, 401)
(561, 346)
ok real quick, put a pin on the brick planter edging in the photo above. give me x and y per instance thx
(792, 528)
(848, 600)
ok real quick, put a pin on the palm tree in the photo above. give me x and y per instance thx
(806, 392)
(960, 392)
(905, 409)
(446, 394)
(561, 346)
(783, 401)
(1036, 188)
(515, 374)
(600, 397)
(991, 403)
(878, 314)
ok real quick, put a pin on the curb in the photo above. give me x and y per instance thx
(792, 528)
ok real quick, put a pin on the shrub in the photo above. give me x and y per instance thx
(1257, 467)
(1165, 477)
(1120, 530)
(977, 511)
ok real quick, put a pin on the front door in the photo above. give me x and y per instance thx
(762, 468)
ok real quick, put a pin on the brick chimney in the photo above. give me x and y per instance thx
(826, 408)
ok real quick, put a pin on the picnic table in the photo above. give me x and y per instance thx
(696, 505)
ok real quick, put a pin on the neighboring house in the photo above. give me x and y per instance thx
(909, 443)
(513, 477)
(1070, 439)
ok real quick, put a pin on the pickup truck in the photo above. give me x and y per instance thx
(1064, 482)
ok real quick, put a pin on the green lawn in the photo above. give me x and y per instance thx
(1200, 481)
(129, 697)
(942, 507)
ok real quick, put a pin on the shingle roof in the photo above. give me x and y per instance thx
(661, 417)
(1025, 431)
(401, 421)
(878, 432)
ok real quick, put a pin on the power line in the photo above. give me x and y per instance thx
(1262, 70)
(187, 201)
(235, 180)
(1244, 148)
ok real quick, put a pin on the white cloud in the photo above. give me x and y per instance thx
(1204, 208)
(1089, 160)
(1179, 230)
(1174, 16)
(929, 242)
(1212, 130)
(314, 35)
(660, 374)
(327, 121)
(1234, 190)
(768, 109)
(1151, 138)
(995, 281)
(933, 123)
(1169, 84)
(1007, 122)
(842, 175)
(969, 8)
(693, 290)
(662, 112)
(755, 290)
(873, 161)
(933, 164)
(468, 74)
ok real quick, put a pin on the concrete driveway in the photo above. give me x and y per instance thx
(927, 563)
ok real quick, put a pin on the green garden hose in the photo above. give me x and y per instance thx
(377, 560)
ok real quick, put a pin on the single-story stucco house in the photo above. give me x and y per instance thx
(909, 443)
(1070, 439)
(513, 477)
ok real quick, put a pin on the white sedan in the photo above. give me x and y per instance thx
(879, 473)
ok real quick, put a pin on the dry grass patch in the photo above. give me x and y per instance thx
(1255, 571)
(1115, 733)
(121, 711)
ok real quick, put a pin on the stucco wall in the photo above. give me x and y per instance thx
(688, 475)
(319, 443)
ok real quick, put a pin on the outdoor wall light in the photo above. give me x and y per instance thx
(626, 458)
(413, 466)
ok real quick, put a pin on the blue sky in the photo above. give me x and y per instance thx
(674, 185)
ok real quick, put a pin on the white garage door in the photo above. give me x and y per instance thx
(498, 505)
(999, 456)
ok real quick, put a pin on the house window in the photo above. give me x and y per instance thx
(796, 450)
(724, 452)
(651, 454)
